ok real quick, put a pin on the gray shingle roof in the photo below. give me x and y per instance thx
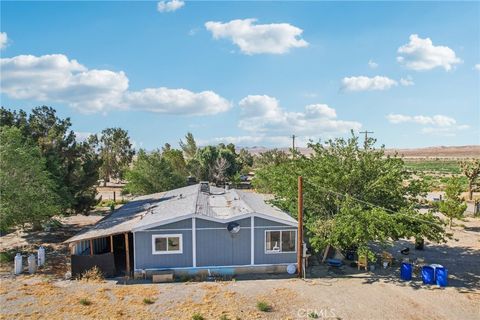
(159, 208)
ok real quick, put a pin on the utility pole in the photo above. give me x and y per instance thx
(365, 143)
(300, 228)
(293, 146)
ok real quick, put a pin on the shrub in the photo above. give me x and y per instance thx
(197, 316)
(313, 315)
(85, 302)
(148, 301)
(7, 256)
(263, 306)
(93, 274)
(224, 317)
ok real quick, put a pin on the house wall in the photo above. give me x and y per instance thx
(215, 245)
(144, 259)
(270, 258)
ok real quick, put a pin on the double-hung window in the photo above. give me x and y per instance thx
(167, 244)
(277, 241)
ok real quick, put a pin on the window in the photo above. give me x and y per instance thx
(280, 241)
(167, 244)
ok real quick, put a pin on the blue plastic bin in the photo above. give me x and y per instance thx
(441, 275)
(428, 275)
(406, 271)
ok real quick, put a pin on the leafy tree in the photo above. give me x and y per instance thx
(271, 157)
(471, 169)
(352, 195)
(189, 147)
(453, 206)
(151, 173)
(116, 153)
(207, 158)
(245, 160)
(175, 158)
(27, 191)
(72, 165)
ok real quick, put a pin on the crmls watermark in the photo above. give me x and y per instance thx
(314, 313)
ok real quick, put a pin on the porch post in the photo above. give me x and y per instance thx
(127, 254)
(91, 247)
(111, 243)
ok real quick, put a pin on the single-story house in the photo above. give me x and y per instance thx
(190, 229)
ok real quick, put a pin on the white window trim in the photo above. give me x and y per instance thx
(180, 242)
(279, 251)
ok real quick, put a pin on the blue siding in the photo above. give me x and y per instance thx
(182, 224)
(270, 258)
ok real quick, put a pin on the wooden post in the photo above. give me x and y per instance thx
(111, 243)
(300, 228)
(114, 197)
(91, 247)
(127, 254)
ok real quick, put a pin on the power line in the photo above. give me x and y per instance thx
(366, 132)
(365, 202)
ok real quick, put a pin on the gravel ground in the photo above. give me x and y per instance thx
(330, 294)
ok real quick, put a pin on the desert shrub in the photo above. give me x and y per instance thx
(93, 274)
(313, 315)
(197, 316)
(223, 317)
(7, 256)
(263, 306)
(85, 302)
(148, 301)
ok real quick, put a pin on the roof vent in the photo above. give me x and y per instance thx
(204, 186)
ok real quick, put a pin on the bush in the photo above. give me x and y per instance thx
(7, 256)
(197, 316)
(313, 315)
(263, 306)
(223, 317)
(93, 274)
(148, 301)
(85, 302)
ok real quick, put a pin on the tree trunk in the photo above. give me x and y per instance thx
(470, 191)
(450, 226)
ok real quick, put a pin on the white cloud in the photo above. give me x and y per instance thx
(437, 124)
(477, 67)
(408, 81)
(3, 40)
(82, 136)
(420, 54)
(55, 78)
(262, 115)
(177, 101)
(251, 38)
(250, 140)
(362, 83)
(170, 6)
(372, 64)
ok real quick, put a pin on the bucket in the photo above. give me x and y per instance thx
(406, 271)
(428, 275)
(441, 274)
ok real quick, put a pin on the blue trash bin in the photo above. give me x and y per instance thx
(406, 271)
(441, 274)
(428, 275)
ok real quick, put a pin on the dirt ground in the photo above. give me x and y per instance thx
(343, 293)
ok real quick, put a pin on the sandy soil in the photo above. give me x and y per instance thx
(343, 293)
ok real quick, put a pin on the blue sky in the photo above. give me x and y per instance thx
(409, 71)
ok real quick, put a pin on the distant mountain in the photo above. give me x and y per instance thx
(472, 151)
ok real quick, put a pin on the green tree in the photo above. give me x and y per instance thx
(151, 173)
(72, 165)
(270, 157)
(27, 191)
(245, 160)
(116, 153)
(471, 169)
(189, 147)
(453, 206)
(352, 195)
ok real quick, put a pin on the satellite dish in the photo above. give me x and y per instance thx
(233, 227)
(291, 268)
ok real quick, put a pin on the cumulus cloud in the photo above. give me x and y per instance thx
(406, 82)
(372, 64)
(363, 83)
(420, 54)
(252, 38)
(170, 6)
(250, 140)
(477, 67)
(262, 114)
(55, 78)
(3, 40)
(177, 101)
(437, 124)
